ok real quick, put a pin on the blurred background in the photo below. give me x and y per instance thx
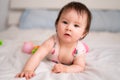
(4, 9)
(4, 6)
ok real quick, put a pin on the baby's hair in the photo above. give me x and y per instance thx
(80, 8)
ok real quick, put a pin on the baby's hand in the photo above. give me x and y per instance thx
(27, 74)
(59, 68)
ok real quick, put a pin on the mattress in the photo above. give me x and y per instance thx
(102, 60)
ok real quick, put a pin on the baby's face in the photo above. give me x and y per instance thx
(71, 25)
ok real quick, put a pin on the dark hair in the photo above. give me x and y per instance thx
(80, 8)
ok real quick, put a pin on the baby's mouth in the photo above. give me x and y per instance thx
(66, 34)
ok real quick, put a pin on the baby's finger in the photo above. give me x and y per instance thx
(17, 75)
(52, 70)
(56, 71)
(33, 74)
(22, 74)
(27, 76)
(30, 75)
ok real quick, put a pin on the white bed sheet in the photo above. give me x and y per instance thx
(102, 61)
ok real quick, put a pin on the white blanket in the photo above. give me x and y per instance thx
(102, 61)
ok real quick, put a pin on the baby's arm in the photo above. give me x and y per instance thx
(77, 66)
(34, 60)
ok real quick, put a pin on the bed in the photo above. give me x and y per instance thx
(27, 22)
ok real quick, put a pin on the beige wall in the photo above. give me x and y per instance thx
(3, 13)
(97, 4)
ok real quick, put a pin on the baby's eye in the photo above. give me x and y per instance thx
(76, 25)
(65, 22)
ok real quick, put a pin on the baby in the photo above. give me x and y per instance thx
(65, 48)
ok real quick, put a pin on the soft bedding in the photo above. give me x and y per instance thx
(102, 61)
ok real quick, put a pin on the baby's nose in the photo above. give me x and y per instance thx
(69, 27)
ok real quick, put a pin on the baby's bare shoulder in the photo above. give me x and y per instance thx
(49, 42)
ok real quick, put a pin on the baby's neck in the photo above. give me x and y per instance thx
(68, 45)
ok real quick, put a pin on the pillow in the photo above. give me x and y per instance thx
(105, 20)
(102, 20)
(37, 18)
